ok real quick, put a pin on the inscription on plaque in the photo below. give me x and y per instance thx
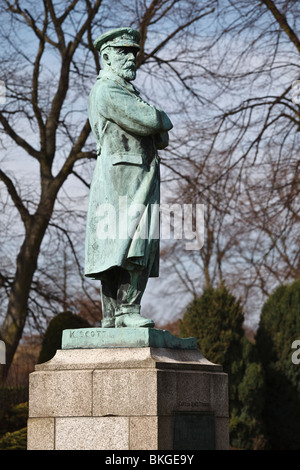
(84, 333)
(192, 404)
(194, 430)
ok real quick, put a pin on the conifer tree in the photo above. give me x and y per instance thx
(279, 327)
(216, 319)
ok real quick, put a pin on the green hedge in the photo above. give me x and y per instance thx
(15, 418)
(14, 440)
(9, 397)
(13, 431)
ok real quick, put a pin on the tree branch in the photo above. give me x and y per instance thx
(67, 54)
(91, 14)
(71, 7)
(30, 21)
(25, 216)
(75, 154)
(18, 139)
(180, 28)
(57, 26)
(80, 178)
(282, 21)
(35, 84)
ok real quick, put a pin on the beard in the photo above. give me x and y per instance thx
(128, 73)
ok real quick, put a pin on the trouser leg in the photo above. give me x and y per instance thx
(129, 297)
(109, 290)
(108, 311)
(121, 296)
(131, 287)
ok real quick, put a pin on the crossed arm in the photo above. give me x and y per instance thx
(132, 114)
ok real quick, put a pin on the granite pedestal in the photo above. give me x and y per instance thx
(155, 392)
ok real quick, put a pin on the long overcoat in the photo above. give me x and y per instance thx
(122, 221)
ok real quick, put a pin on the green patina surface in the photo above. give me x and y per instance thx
(122, 230)
(93, 338)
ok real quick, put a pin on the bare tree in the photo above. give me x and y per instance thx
(240, 156)
(262, 131)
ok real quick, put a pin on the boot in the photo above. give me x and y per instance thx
(129, 316)
(108, 311)
(108, 323)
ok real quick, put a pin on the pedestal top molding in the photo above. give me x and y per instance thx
(93, 338)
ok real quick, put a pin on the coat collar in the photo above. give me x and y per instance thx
(113, 76)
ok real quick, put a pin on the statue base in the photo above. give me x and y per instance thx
(91, 338)
(128, 398)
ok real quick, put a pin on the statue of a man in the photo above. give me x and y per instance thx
(122, 245)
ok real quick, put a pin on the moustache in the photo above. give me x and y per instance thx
(129, 65)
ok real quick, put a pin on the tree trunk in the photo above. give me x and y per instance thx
(27, 258)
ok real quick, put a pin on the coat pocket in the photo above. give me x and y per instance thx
(131, 159)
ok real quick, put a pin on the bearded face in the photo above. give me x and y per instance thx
(121, 61)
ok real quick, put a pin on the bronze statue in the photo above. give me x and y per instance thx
(122, 239)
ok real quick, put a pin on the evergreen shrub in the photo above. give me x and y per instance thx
(52, 339)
